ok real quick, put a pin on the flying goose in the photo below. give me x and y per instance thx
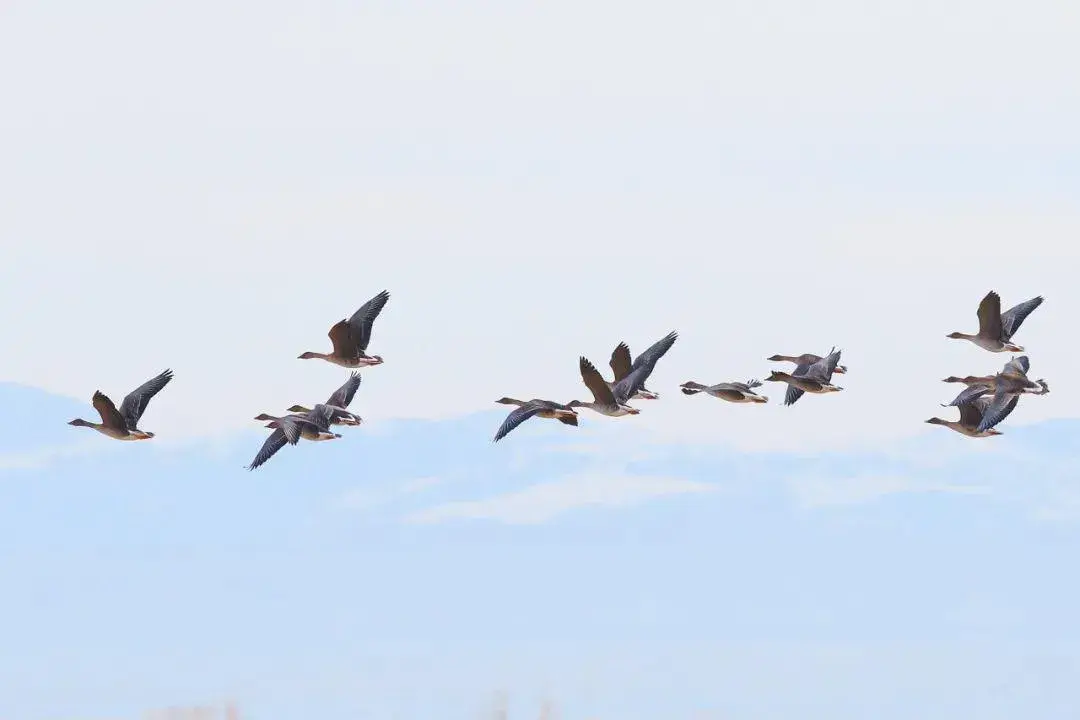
(314, 425)
(801, 363)
(122, 424)
(1005, 386)
(971, 417)
(996, 328)
(815, 377)
(528, 408)
(621, 365)
(1015, 366)
(735, 392)
(610, 401)
(804, 359)
(350, 337)
(338, 402)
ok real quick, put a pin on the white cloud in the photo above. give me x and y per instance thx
(367, 497)
(542, 502)
(822, 491)
(41, 457)
(525, 211)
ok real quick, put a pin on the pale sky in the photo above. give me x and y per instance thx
(209, 187)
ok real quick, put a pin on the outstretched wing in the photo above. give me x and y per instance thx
(642, 368)
(362, 320)
(275, 442)
(620, 361)
(320, 417)
(344, 394)
(997, 410)
(341, 337)
(654, 352)
(1013, 318)
(292, 425)
(595, 382)
(969, 395)
(971, 413)
(516, 417)
(793, 393)
(108, 412)
(823, 369)
(1017, 366)
(134, 404)
(990, 315)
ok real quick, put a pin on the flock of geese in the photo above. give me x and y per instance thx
(349, 337)
(989, 399)
(984, 403)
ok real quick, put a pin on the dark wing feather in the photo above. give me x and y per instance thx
(620, 361)
(516, 417)
(275, 442)
(595, 382)
(344, 394)
(320, 417)
(1013, 318)
(341, 337)
(823, 369)
(134, 404)
(1018, 366)
(802, 368)
(643, 367)
(108, 412)
(568, 420)
(625, 388)
(363, 319)
(990, 315)
(969, 395)
(1002, 405)
(291, 426)
(971, 413)
(654, 352)
(793, 393)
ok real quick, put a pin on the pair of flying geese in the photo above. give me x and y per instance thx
(812, 374)
(349, 338)
(989, 399)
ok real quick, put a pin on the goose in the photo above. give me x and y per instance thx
(801, 362)
(1015, 366)
(350, 337)
(338, 402)
(1012, 378)
(610, 401)
(528, 408)
(621, 365)
(1005, 387)
(971, 417)
(815, 377)
(314, 425)
(735, 392)
(804, 359)
(996, 328)
(122, 424)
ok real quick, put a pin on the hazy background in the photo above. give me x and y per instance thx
(210, 186)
